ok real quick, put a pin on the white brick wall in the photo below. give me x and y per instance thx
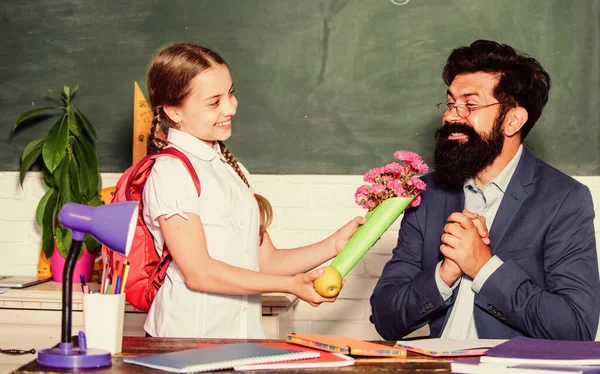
(307, 208)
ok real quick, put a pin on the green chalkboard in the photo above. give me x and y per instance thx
(325, 87)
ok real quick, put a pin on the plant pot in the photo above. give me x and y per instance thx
(84, 265)
(378, 221)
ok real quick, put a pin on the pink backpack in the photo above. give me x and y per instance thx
(147, 271)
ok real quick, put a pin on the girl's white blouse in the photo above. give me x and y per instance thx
(229, 214)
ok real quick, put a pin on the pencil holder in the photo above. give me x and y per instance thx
(103, 316)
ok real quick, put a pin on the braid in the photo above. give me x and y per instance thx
(265, 210)
(156, 138)
(233, 162)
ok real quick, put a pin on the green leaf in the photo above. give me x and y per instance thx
(87, 125)
(61, 172)
(55, 145)
(88, 152)
(73, 124)
(85, 175)
(88, 167)
(48, 177)
(61, 178)
(64, 237)
(75, 175)
(66, 91)
(47, 215)
(31, 113)
(50, 197)
(95, 201)
(74, 90)
(61, 95)
(32, 152)
(91, 244)
(47, 241)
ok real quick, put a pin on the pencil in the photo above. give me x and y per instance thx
(117, 289)
(108, 280)
(104, 271)
(125, 274)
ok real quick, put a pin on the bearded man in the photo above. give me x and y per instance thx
(536, 273)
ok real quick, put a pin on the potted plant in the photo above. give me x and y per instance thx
(69, 165)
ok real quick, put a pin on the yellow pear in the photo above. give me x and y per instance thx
(330, 283)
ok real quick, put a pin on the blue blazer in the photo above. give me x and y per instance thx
(548, 285)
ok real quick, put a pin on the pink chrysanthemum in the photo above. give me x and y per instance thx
(394, 168)
(372, 174)
(415, 203)
(393, 180)
(406, 156)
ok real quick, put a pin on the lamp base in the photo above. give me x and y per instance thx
(65, 356)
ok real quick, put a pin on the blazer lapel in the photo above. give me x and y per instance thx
(515, 195)
(455, 202)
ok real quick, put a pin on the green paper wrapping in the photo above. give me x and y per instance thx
(378, 221)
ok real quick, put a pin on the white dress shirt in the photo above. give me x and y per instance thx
(229, 214)
(485, 202)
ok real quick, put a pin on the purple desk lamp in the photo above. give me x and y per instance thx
(112, 225)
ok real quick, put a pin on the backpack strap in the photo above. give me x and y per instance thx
(173, 152)
(143, 166)
(158, 278)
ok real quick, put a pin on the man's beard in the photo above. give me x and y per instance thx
(456, 161)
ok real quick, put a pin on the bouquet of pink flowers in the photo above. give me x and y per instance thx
(390, 190)
(393, 180)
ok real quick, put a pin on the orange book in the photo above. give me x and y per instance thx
(345, 345)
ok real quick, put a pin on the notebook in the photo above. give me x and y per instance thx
(441, 347)
(522, 350)
(473, 365)
(218, 357)
(326, 360)
(21, 281)
(345, 345)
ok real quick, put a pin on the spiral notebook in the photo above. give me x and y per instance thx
(218, 357)
(325, 360)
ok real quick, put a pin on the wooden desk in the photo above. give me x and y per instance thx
(31, 318)
(134, 346)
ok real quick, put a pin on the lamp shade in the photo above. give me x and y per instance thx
(112, 225)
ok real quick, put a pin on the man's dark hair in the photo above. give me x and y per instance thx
(522, 80)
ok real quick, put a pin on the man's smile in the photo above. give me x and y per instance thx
(458, 136)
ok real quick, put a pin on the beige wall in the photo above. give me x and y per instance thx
(307, 208)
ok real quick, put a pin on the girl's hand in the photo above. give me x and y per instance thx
(302, 286)
(341, 237)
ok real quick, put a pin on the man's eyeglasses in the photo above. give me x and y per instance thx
(463, 110)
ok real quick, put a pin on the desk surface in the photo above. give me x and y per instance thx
(133, 346)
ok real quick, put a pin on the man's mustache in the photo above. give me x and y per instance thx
(454, 128)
